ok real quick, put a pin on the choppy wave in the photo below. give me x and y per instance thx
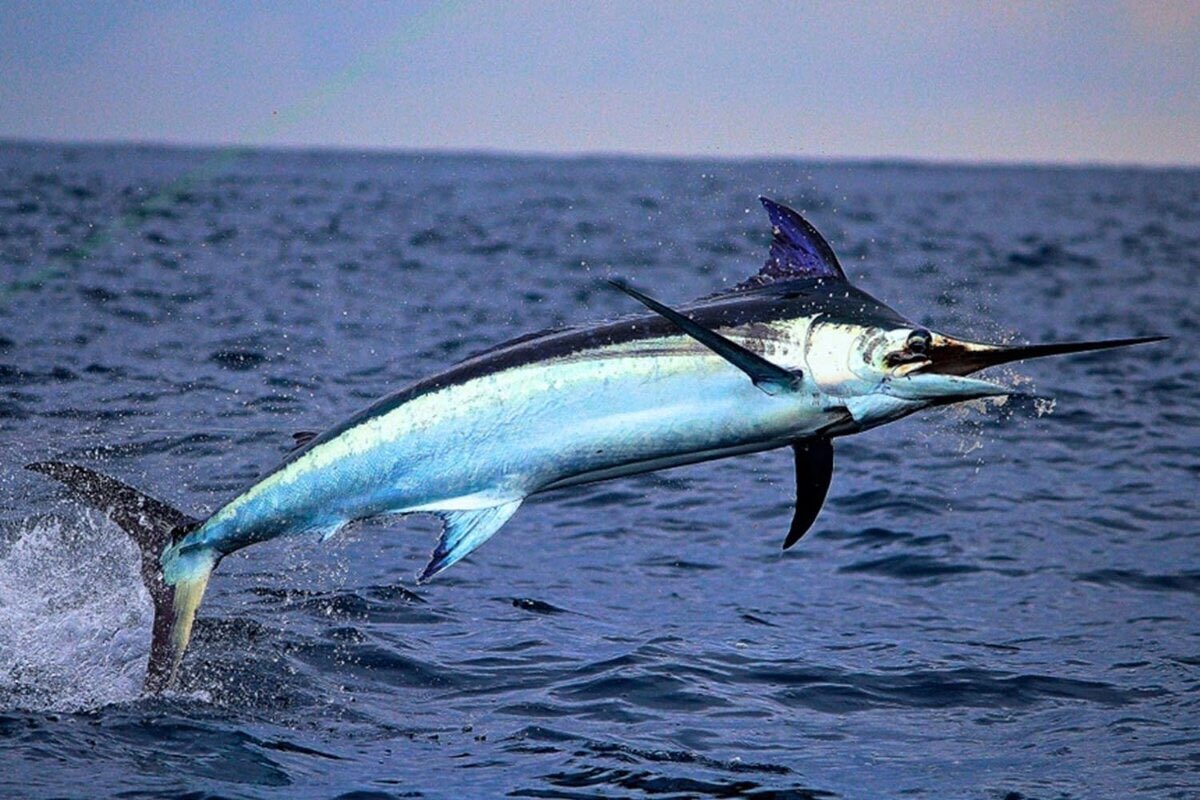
(996, 602)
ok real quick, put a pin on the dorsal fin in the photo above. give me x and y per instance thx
(797, 250)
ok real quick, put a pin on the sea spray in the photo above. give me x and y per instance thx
(74, 616)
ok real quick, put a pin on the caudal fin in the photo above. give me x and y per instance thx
(154, 525)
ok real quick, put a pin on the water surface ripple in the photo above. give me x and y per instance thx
(994, 604)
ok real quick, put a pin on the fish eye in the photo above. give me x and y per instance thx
(919, 341)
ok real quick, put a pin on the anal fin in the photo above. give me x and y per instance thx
(814, 471)
(463, 531)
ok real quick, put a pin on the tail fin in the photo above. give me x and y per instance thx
(154, 525)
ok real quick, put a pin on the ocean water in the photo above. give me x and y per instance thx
(995, 603)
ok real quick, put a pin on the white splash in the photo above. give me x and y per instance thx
(74, 616)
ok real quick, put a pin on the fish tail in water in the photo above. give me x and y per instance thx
(175, 579)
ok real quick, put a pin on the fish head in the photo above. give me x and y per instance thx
(898, 369)
(861, 354)
(882, 369)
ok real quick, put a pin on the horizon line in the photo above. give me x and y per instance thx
(618, 155)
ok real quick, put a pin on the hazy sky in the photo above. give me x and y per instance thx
(1088, 81)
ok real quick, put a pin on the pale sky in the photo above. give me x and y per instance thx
(999, 81)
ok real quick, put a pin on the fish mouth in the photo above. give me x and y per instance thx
(948, 356)
(938, 375)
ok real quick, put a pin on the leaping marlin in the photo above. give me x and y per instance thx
(793, 357)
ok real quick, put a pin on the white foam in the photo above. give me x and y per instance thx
(74, 616)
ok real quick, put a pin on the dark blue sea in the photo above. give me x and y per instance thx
(996, 602)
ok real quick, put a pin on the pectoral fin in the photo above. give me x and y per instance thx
(463, 531)
(771, 378)
(814, 470)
